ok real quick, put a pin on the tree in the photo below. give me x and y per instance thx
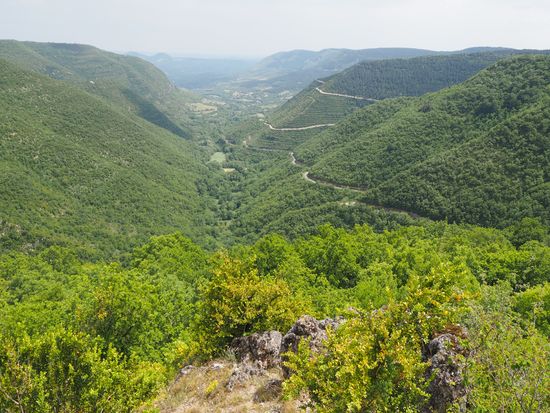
(64, 371)
(237, 301)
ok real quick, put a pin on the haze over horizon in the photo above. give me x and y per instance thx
(250, 28)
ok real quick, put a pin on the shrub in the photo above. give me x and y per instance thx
(237, 301)
(374, 361)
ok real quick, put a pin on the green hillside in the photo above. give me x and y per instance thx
(329, 101)
(477, 152)
(125, 81)
(310, 107)
(295, 69)
(77, 170)
(133, 262)
(88, 337)
(409, 77)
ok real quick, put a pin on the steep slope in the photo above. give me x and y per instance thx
(326, 102)
(77, 170)
(477, 152)
(295, 69)
(409, 77)
(270, 194)
(124, 81)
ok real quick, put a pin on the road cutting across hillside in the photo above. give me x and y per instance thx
(323, 125)
(322, 92)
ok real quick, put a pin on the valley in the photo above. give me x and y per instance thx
(340, 230)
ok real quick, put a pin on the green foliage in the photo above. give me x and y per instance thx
(409, 77)
(78, 171)
(271, 196)
(509, 368)
(528, 229)
(371, 79)
(124, 311)
(93, 337)
(237, 301)
(534, 305)
(91, 167)
(374, 361)
(127, 82)
(310, 107)
(125, 328)
(63, 371)
(332, 254)
(377, 286)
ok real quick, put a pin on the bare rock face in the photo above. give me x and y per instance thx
(260, 349)
(255, 353)
(446, 357)
(259, 352)
(241, 374)
(307, 327)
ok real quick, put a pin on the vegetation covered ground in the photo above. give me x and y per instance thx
(81, 336)
(129, 249)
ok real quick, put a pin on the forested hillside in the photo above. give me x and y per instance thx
(295, 69)
(268, 194)
(477, 152)
(409, 77)
(128, 82)
(78, 171)
(328, 101)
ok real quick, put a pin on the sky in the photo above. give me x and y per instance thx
(256, 28)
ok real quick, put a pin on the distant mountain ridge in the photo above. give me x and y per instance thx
(294, 70)
(330, 100)
(196, 72)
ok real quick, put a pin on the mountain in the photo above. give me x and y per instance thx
(125, 81)
(77, 170)
(328, 59)
(409, 77)
(294, 70)
(327, 101)
(95, 318)
(197, 73)
(477, 152)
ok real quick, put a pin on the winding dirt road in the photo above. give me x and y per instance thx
(320, 181)
(315, 180)
(322, 92)
(324, 125)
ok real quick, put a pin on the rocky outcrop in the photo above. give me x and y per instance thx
(268, 392)
(447, 363)
(259, 352)
(255, 353)
(242, 373)
(307, 327)
(260, 362)
(260, 349)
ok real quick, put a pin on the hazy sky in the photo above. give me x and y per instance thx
(261, 27)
